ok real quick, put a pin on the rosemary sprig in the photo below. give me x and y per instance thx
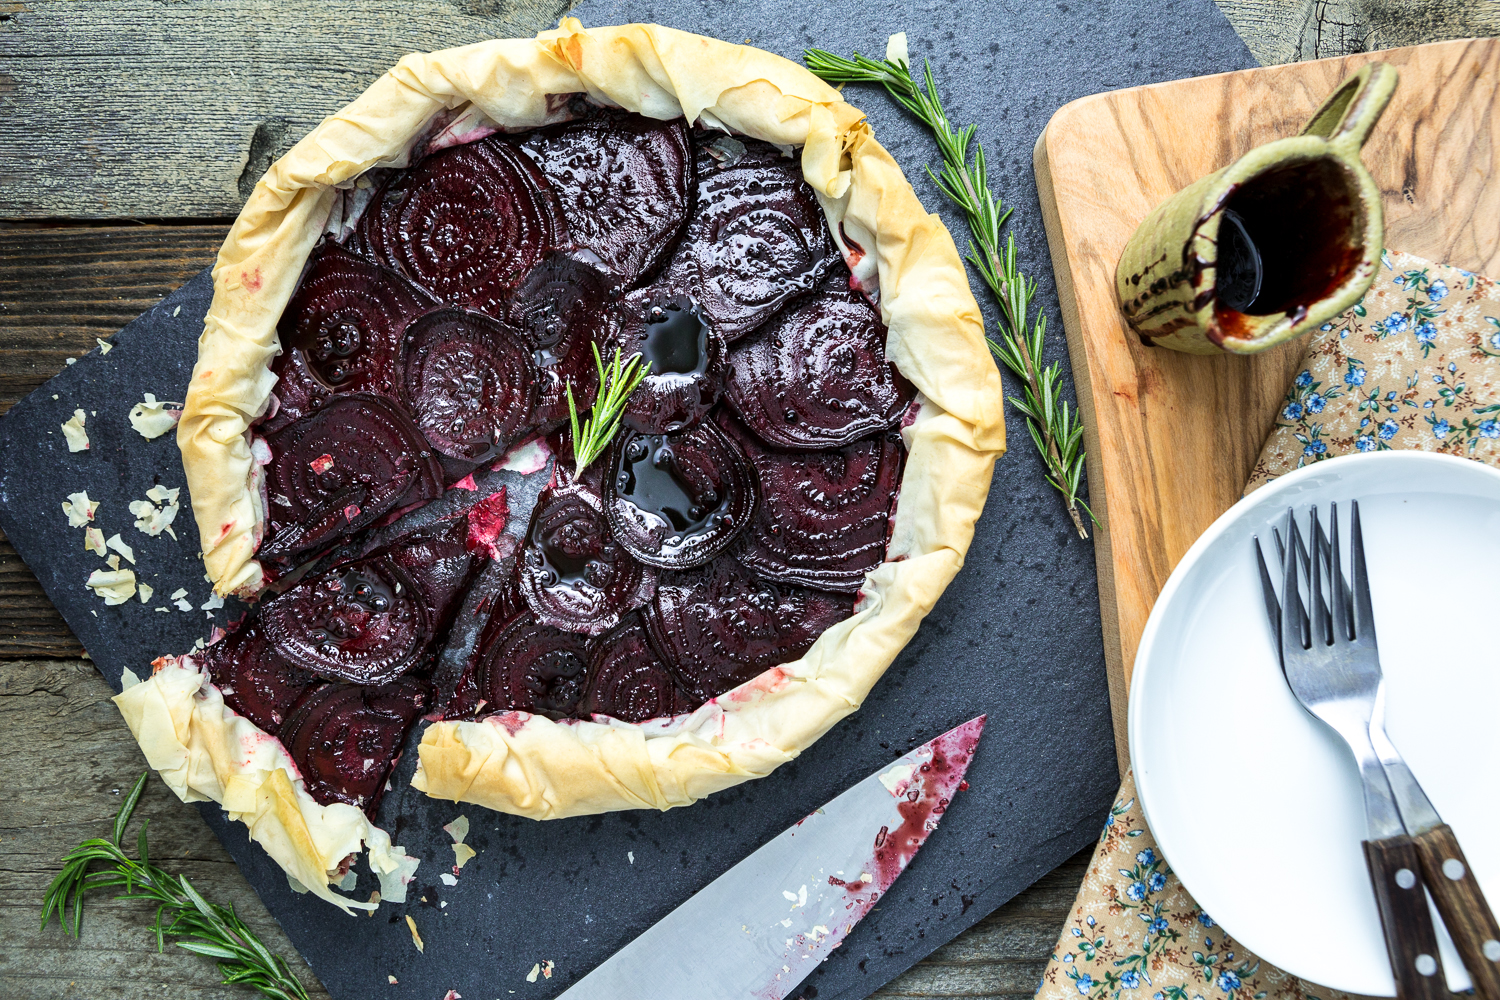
(1055, 429)
(616, 382)
(195, 924)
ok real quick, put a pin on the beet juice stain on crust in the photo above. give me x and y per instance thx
(729, 524)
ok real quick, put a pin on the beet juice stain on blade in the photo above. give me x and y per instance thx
(760, 928)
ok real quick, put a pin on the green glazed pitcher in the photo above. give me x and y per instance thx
(1270, 247)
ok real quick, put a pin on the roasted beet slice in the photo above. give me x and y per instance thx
(345, 738)
(255, 682)
(466, 223)
(366, 622)
(720, 625)
(678, 500)
(816, 376)
(531, 667)
(561, 309)
(687, 357)
(298, 391)
(439, 562)
(757, 240)
(824, 515)
(339, 468)
(469, 381)
(347, 317)
(627, 680)
(625, 184)
(572, 572)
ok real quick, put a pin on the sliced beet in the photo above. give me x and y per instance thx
(298, 391)
(439, 561)
(366, 622)
(469, 382)
(466, 223)
(345, 738)
(625, 184)
(573, 573)
(562, 308)
(532, 667)
(824, 515)
(678, 500)
(687, 358)
(627, 680)
(816, 376)
(341, 467)
(757, 240)
(720, 625)
(347, 317)
(255, 682)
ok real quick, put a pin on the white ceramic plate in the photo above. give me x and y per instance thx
(1255, 804)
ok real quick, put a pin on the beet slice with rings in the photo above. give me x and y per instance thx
(366, 622)
(572, 572)
(816, 376)
(688, 359)
(347, 317)
(466, 223)
(345, 738)
(720, 625)
(824, 516)
(757, 240)
(438, 560)
(469, 382)
(533, 667)
(561, 309)
(627, 680)
(341, 467)
(678, 500)
(255, 682)
(298, 391)
(624, 182)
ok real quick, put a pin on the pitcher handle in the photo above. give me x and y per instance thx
(1352, 110)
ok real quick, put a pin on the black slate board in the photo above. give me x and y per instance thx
(1016, 635)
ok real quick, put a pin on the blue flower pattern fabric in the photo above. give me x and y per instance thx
(1416, 364)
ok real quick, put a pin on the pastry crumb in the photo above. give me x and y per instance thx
(547, 968)
(416, 938)
(93, 541)
(79, 508)
(115, 586)
(104, 345)
(144, 591)
(156, 513)
(153, 418)
(448, 879)
(118, 544)
(535, 969)
(78, 439)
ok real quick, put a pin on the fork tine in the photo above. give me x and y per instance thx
(1341, 609)
(1273, 608)
(1291, 621)
(1364, 615)
(1280, 546)
(1316, 606)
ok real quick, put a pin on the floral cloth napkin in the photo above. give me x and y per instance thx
(1416, 364)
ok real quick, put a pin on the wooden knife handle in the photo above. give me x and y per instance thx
(1463, 908)
(1396, 874)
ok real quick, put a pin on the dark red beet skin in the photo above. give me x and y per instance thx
(439, 561)
(347, 318)
(470, 383)
(255, 682)
(572, 572)
(719, 626)
(757, 240)
(345, 738)
(678, 500)
(532, 667)
(561, 309)
(816, 376)
(298, 391)
(823, 516)
(687, 358)
(624, 183)
(466, 223)
(366, 622)
(340, 468)
(627, 680)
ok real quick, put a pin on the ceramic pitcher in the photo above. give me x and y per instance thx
(1270, 247)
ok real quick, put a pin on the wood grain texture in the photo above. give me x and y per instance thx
(1283, 31)
(1461, 903)
(1171, 437)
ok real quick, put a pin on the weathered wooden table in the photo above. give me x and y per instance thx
(117, 185)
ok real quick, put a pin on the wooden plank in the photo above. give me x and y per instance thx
(1283, 31)
(1172, 437)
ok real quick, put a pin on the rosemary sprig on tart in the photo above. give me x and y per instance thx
(197, 925)
(1055, 429)
(617, 381)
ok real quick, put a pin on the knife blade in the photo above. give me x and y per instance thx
(760, 928)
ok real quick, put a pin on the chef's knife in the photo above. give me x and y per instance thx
(760, 928)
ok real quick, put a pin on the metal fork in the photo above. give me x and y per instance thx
(1332, 665)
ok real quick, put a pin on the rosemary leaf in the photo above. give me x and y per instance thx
(964, 180)
(617, 381)
(194, 924)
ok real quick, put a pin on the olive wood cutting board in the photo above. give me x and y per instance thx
(1172, 437)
